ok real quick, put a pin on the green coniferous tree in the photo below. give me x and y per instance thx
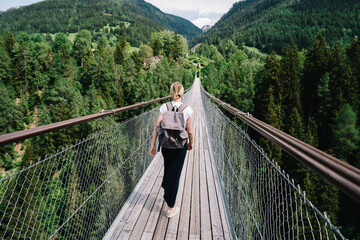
(316, 64)
(268, 100)
(5, 67)
(9, 44)
(270, 78)
(61, 46)
(156, 46)
(353, 55)
(346, 135)
(22, 68)
(177, 51)
(80, 47)
(119, 54)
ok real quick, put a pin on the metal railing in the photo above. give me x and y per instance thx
(342, 175)
(28, 133)
(263, 202)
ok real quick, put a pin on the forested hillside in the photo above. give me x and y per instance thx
(137, 19)
(271, 24)
(44, 81)
(313, 95)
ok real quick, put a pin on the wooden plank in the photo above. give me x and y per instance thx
(195, 203)
(216, 223)
(220, 237)
(147, 236)
(222, 202)
(204, 196)
(145, 213)
(120, 220)
(194, 237)
(183, 230)
(161, 226)
(137, 193)
(155, 213)
(170, 236)
(130, 222)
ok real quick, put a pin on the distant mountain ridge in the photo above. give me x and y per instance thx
(205, 28)
(51, 16)
(271, 24)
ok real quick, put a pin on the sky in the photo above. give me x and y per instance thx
(199, 12)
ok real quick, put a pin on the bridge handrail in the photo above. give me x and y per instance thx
(342, 175)
(28, 133)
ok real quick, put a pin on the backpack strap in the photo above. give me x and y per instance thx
(169, 106)
(182, 107)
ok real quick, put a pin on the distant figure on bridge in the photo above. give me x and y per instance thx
(173, 158)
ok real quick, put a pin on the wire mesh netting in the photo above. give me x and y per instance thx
(263, 202)
(78, 192)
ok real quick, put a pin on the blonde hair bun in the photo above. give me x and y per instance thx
(176, 90)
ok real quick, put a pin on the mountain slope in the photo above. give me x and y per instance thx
(271, 24)
(53, 16)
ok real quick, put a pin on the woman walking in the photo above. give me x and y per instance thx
(173, 158)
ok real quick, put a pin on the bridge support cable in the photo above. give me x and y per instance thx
(262, 200)
(77, 192)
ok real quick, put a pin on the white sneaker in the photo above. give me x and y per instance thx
(173, 212)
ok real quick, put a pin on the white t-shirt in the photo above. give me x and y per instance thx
(187, 111)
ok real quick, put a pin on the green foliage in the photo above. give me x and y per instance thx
(137, 19)
(346, 134)
(119, 54)
(316, 64)
(156, 46)
(5, 64)
(172, 45)
(271, 24)
(9, 43)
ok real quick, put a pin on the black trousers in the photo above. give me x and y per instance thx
(173, 164)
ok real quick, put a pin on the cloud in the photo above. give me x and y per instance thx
(200, 22)
(203, 7)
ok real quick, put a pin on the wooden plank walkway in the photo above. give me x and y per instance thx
(202, 211)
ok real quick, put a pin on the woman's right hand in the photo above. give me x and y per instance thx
(189, 146)
(152, 151)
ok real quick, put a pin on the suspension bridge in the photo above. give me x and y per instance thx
(107, 186)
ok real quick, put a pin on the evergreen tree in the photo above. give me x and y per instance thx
(270, 78)
(316, 64)
(353, 54)
(22, 67)
(119, 54)
(324, 96)
(176, 46)
(5, 67)
(273, 117)
(9, 44)
(346, 135)
(269, 97)
(61, 46)
(156, 46)
(137, 60)
(81, 45)
(11, 119)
